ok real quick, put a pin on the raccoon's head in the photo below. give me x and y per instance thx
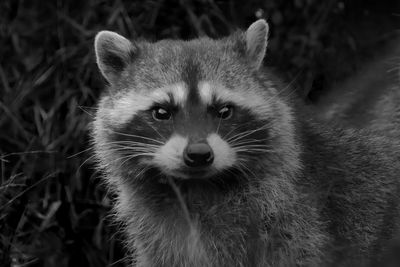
(190, 109)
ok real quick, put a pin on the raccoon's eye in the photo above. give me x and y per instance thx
(161, 114)
(225, 112)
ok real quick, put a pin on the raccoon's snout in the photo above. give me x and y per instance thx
(198, 155)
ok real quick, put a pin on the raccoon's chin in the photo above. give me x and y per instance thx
(225, 179)
(194, 176)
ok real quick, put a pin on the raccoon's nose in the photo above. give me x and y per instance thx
(198, 155)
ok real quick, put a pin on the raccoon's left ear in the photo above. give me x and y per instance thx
(256, 42)
(113, 54)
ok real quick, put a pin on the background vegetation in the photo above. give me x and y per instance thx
(53, 208)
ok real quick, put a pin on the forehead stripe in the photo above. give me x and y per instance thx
(246, 99)
(177, 91)
(206, 92)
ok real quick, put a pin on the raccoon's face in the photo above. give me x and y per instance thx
(189, 109)
(190, 128)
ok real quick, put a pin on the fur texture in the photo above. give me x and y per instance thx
(287, 191)
(370, 98)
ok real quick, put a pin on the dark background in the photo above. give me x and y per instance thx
(54, 210)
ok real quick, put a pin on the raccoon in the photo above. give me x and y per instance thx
(214, 163)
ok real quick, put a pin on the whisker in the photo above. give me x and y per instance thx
(127, 150)
(130, 157)
(80, 152)
(152, 127)
(279, 94)
(239, 126)
(83, 163)
(219, 123)
(254, 150)
(250, 171)
(138, 136)
(145, 168)
(132, 142)
(252, 146)
(239, 168)
(250, 130)
(251, 141)
(87, 112)
(134, 146)
(244, 134)
(123, 149)
(131, 149)
(258, 152)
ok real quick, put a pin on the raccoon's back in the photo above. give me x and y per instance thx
(369, 99)
(354, 178)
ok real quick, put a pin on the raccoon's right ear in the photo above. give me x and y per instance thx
(256, 42)
(113, 54)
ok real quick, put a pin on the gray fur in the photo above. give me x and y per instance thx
(322, 196)
(370, 98)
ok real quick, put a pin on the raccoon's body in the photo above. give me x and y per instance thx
(214, 165)
(371, 98)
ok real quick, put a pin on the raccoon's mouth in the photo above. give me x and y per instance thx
(206, 175)
(187, 173)
(198, 173)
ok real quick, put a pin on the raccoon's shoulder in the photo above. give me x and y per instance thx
(332, 151)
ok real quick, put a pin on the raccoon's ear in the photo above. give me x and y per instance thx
(113, 54)
(256, 42)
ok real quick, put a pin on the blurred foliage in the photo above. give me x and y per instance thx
(53, 208)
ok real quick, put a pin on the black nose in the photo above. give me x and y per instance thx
(198, 155)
